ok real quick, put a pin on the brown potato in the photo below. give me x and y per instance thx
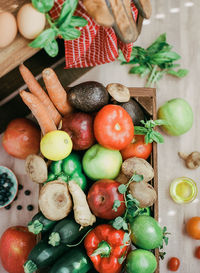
(139, 166)
(144, 193)
(122, 178)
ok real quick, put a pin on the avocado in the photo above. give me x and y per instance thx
(88, 96)
(134, 110)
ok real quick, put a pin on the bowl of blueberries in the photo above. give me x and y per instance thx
(8, 186)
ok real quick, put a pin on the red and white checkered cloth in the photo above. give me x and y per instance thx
(96, 45)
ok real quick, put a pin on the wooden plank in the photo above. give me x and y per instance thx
(18, 51)
(142, 95)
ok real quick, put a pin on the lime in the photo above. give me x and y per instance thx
(56, 145)
(183, 190)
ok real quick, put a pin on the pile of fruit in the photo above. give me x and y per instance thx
(95, 197)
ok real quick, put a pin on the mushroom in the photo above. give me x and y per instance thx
(118, 92)
(192, 161)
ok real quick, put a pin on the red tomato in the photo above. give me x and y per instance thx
(15, 246)
(101, 197)
(137, 148)
(197, 252)
(193, 227)
(113, 127)
(173, 264)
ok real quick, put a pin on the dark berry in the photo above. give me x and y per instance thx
(19, 207)
(8, 193)
(11, 184)
(2, 181)
(5, 199)
(8, 207)
(27, 192)
(4, 175)
(7, 180)
(1, 203)
(1, 197)
(20, 187)
(30, 207)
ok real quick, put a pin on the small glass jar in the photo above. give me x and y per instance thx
(183, 190)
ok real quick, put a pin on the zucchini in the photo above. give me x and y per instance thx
(66, 232)
(40, 223)
(43, 255)
(74, 261)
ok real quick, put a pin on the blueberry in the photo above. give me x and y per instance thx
(1, 197)
(1, 181)
(11, 184)
(20, 187)
(1, 203)
(30, 207)
(19, 207)
(5, 199)
(8, 207)
(27, 192)
(4, 175)
(8, 193)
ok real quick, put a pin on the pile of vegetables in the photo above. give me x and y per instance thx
(96, 197)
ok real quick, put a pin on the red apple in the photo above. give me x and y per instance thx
(101, 198)
(21, 138)
(80, 128)
(15, 246)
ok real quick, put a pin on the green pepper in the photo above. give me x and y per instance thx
(69, 168)
(74, 261)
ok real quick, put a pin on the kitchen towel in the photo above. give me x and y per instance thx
(97, 44)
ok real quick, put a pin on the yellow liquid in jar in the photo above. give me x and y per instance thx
(184, 190)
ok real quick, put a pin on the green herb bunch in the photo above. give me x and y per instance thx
(64, 26)
(148, 130)
(154, 62)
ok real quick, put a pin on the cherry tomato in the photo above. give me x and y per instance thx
(173, 264)
(137, 148)
(197, 252)
(113, 127)
(193, 227)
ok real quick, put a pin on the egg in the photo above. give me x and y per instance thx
(8, 28)
(30, 21)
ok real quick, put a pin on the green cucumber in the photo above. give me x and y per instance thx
(40, 223)
(43, 255)
(66, 232)
(74, 261)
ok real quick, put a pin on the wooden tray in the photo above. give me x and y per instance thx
(147, 99)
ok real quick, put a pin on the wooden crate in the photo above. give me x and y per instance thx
(147, 99)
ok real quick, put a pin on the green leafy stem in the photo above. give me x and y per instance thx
(65, 26)
(154, 62)
(148, 130)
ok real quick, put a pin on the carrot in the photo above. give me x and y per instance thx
(37, 90)
(39, 111)
(56, 92)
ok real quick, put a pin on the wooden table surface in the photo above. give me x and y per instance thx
(180, 20)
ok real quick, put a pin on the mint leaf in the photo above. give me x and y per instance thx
(44, 38)
(78, 21)
(51, 48)
(121, 260)
(157, 137)
(137, 177)
(125, 226)
(43, 5)
(139, 130)
(118, 223)
(126, 238)
(116, 205)
(122, 188)
(180, 73)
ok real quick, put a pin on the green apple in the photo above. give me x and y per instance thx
(101, 163)
(141, 261)
(178, 115)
